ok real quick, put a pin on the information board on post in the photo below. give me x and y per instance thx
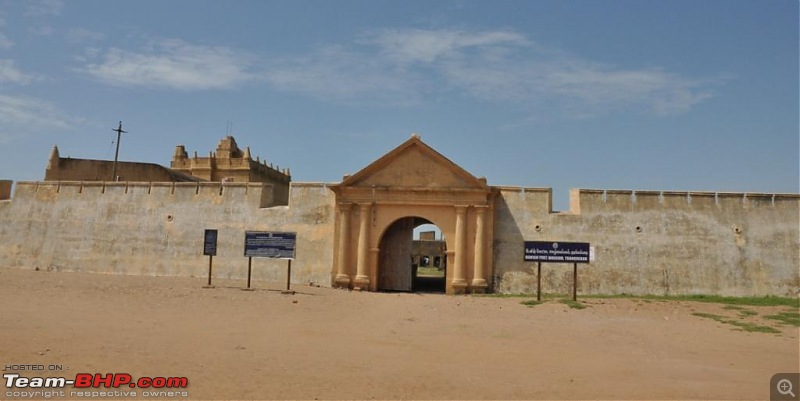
(269, 244)
(557, 252)
(210, 250)
(210, 242)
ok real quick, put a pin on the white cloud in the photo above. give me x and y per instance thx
(25, 116)
(43, 8)
(174, 64)
(339, 74)
(9, 73)
(427, 46)
(495, 66)
(402, 67)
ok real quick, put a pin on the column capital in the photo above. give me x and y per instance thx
(344, 206)
(461, 208)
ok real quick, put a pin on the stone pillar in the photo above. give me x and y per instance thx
(478, 277)
(362, 263)
(342, 278)
(374, 254)
(458, 282)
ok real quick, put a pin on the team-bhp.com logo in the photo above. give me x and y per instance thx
(95, 381)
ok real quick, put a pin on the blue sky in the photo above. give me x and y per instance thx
(672, 95)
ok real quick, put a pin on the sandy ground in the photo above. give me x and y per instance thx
(334, 344)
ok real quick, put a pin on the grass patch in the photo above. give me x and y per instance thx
(747, 312)
(745, 326)
(733, 301)
(531, 303)
(790, 318)
(573, 304)
(498, 295)
(430, 272)
(710, 316)
(519, 295)
(732, 307)
(752, 327)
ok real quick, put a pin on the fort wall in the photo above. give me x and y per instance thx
(157, 228)
(654, 242)
(645, 242)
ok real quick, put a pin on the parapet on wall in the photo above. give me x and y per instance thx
(157, 228)
(655, 242)
(592, 200)
(254, 194)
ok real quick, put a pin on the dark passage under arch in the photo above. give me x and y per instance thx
(410, 265)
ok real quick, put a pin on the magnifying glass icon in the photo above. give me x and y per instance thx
(785, 387)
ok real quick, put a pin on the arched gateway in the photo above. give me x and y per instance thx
(412, 181)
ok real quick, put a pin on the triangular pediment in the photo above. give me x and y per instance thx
(414, 164)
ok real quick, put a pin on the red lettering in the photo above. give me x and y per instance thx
(106, 380)
(83, 380)
(121, 378)
(177, 382)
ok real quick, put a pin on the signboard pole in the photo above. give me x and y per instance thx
(289, 275)
(210, 258)
(249, 270)
(288, 278)
(539, 281)
(574, 281)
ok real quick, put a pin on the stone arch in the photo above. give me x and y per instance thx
(413, 180)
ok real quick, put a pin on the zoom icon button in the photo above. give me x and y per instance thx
(784, 387)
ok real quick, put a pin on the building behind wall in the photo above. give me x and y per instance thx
(70, 169)
(227, 164)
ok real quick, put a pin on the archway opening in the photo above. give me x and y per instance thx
(412, 257)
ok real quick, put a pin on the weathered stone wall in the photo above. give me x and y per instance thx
(645, 242)
(66, 169)
(652, 242)
(157, 229)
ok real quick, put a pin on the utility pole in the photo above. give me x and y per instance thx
(119, 131)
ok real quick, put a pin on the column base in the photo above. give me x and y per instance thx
(459, 286)
(479, 286)
(341, 281)
(361, 282)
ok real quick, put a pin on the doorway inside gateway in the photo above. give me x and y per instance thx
(412, 257)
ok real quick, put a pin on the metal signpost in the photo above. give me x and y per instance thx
(270, 244)
(557, 252)
(210, 249)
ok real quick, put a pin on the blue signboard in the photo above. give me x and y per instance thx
(269, 244)
(210, 242)
(556, 252)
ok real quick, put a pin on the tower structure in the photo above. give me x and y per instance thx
(228, 163)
